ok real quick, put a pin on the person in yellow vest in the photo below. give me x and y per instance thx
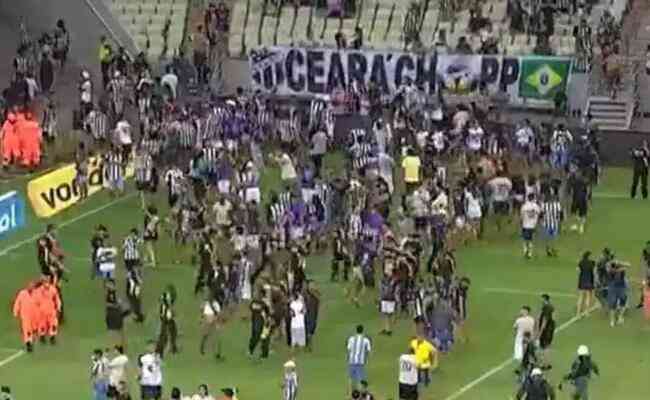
(426, 358)
(105, 59)
(411, 173)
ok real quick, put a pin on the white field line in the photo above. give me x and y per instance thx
(11, 358)
(528, 293)
(457, 394)
(71, 221)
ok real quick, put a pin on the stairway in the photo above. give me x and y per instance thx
(146, 19)
(610, 114)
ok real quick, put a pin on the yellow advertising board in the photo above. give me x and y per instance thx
(55, 191)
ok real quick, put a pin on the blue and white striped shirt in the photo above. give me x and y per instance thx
(358, 349)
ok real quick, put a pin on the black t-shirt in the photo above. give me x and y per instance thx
(547, 315)
(579, 189)
(586, 271)
(257, 312)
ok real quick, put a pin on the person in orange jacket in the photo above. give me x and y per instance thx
(25, 309)
(30, 141)
(10, 143)
(50, 306)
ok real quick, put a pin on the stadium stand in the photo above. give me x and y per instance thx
(156, 26)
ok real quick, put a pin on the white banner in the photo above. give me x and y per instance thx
(290, 71)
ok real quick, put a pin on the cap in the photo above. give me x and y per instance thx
(583, 350)
(536, 372)
(290, 364)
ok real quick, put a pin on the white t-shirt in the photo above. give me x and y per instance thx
(524, 136)
(222, 213)
(123, 129)
(170, 80)
(438, 139)
(523, 325)
(440, 204)
(473, 207)
(211, 310)
(150, 370)
(408, 371)
(106, 258)
(117, 369)
(501, 187)
(298, 314)
(287, 170)
(474, 138)
(530, 212)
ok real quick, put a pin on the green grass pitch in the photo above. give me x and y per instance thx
(478, 367)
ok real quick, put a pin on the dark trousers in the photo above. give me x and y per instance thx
(256, 337)
(640, 177)
(135, 304)
(168, 333)
(336, 262)
(317, 159)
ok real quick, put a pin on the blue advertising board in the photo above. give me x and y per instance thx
(12, 213)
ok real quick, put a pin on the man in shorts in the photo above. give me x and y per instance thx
(408, 376)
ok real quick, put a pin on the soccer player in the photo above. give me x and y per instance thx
(530, 212)
(98, 374)
(552, 216)
(546, 330)
(524, 323)
(340, 256)
(117, 371)
(290, 381)
(359, 348)
(408, 376)
(582, 370)
(106, 255)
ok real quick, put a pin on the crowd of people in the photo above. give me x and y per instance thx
(423, 180)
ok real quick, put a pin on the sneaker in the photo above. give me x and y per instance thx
(29, 347)
(620, 320)
(53, 340)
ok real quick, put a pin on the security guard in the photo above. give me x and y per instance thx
(581, 370)
(641, 158)
(535, 387)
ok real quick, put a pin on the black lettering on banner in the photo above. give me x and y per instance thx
(293, 62)
(357, 67)
(96, 178)
(49, 198)
(315, 71)
(509, 71)
(490, 70)
(279, 73)
(403, 66)
(336, 75)
(268, 78)
(427, 76)
(378, 73)
(64, 192)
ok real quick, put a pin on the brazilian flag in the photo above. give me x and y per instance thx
(542, 77)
